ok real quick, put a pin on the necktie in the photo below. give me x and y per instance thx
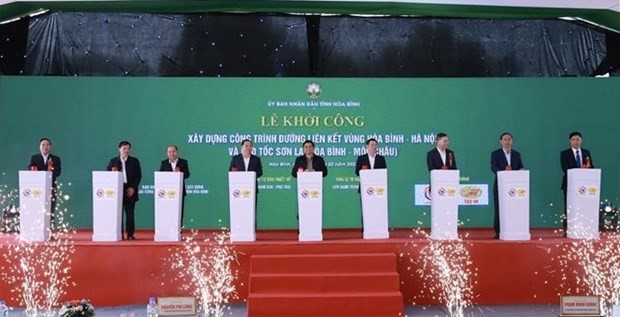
(578, 159)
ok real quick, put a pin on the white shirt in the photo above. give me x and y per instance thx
(246, 161)
(443, 155)
(173, 164)
(124, 170)
(507, 155)
(45, 158)
(371, 159)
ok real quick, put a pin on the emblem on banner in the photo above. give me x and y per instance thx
(26, 192)
(512, 192)
(313, 90)
(161, 193)
(427, 193)
(471, 192)
(99, 193)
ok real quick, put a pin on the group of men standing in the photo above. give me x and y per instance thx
(440, 157)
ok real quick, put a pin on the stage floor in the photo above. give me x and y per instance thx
(508, 272)
(240, 310)
(397, 236)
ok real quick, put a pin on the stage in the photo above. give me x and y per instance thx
(129, 272)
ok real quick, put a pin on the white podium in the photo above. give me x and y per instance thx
(107, 206)
(373, 188)
(310, 205)
(444, 204)
(582, 203)
(168, 195)
(35, 201)
(513, 188)
(242, 197)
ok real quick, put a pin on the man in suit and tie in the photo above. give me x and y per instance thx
(176, 164)
(45, 161)
(441, 158)
(132, 175)
(309, 162)
(248, 162)
(503, 159)
(575, 157)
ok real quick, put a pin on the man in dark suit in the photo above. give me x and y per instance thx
(176, 164)
(45, 161)
(246, 161)
(441, 158)
(504, 159)
(371, 160)
(309, 162)
(575, 157)
(132, 175)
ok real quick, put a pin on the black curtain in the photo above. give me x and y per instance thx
(412, 47)
(102, 44)
(13, 37)
(273, 45)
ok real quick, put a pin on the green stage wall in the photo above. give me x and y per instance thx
(208, 117)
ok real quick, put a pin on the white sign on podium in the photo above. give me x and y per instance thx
(373, 188)
(513, 188)
(310, 205)
(35, 201)
(242, 196)
(582, 203)
(168, 195)
(444, 204)
(107, 205)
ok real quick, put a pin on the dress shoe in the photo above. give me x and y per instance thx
(131, 238)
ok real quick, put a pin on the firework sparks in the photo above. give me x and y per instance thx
(207, 265)
(42, 273)
(447, 272)
(595, 266)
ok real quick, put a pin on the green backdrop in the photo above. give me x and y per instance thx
(207, 117)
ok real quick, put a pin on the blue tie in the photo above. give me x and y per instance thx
(578, 159)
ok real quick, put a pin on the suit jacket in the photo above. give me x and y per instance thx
(499, 162)
(134, 174)
(363, 160)
(254, 165)
(37, 160)
(434, 162)
(181, 164)
(317, 163)
(568, 160)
